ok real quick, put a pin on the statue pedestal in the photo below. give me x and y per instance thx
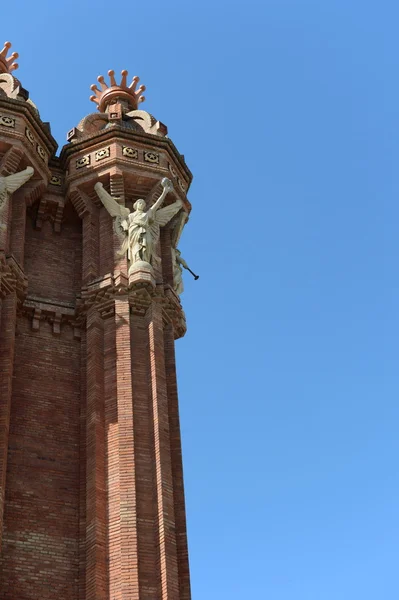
(141, 274)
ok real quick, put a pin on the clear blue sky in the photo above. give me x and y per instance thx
(288, 114)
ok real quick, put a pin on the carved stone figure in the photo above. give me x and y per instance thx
(139, 230)
(8, 185)
(178, 265)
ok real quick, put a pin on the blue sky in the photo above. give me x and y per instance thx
(287, 112)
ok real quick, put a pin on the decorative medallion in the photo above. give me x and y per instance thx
(29, 135)
(55, 180)
(172, 170)
(41, 152)
(151, 157)
(83, 162)
(103, 153)
(7, 121)
(182, 185)
(130, 152)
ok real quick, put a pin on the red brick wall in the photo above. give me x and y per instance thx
(52, 260)
(40, 554)
(90, 455)
(40, 550)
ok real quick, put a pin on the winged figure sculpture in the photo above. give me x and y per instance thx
(139, 230)
(9, 185)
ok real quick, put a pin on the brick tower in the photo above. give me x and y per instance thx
(92, 501)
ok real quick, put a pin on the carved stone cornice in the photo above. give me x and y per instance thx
(116, 133)
(173, 312)
(102, 293)
(30, 113)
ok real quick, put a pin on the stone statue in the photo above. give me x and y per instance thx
(8, 185)
(139, 230)
(177, 271)
(178, 264)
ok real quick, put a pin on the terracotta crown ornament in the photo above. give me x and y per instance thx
(108, 94)
(7, 65)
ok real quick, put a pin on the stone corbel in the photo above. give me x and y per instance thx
(36, 319)
(57, 323)
(54, 314)
(80, 201)
(40, 213)
(10, 161)
(35, 191)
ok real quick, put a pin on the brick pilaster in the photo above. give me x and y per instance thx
(128, 509)
(90, 258)
(164, 481)
(82, 467)
(147, 513)
(96, 573)
(177, 465)
(112, 461)
(7, 345)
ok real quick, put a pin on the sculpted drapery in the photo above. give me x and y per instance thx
(9, 185)
(139, 230)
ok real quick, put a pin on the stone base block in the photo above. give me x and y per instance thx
(141, 274)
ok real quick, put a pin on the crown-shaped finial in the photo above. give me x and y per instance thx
(7, 64)
(107, 93)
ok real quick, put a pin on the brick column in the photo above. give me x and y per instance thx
(164, 481)
(147, 513)
(128, 509)
(7, 344)
(96, 572)
(90, 245)
(177, 465)
(17, 208)
(112, 461)
(12, 241)
(82, 468)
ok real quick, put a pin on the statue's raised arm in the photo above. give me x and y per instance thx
(167, 187)
(162, 216)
